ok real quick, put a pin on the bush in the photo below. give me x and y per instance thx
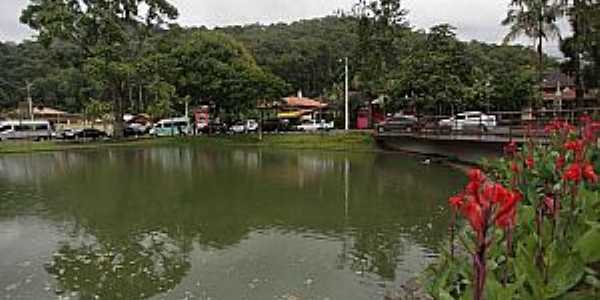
(533, 223)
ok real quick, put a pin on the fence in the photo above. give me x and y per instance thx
(509, 124)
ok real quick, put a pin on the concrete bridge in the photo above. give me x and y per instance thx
(464, 147)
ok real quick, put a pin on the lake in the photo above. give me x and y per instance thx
(217, 223)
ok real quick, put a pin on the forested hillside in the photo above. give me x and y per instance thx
(235, 66)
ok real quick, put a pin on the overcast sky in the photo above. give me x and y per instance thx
(475, 19)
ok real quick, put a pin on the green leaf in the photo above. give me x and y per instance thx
(495, 291)
(589, 246)
(526, 271)
(444, 295)
(565, 274)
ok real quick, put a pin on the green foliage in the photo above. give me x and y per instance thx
(112, 50)
(554, 249)
(96, 109)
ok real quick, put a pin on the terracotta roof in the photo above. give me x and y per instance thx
(303, 102)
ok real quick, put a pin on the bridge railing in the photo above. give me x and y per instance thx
(509, 124)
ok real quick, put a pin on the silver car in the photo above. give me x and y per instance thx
(471, 119)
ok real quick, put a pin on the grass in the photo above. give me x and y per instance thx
(355, 142)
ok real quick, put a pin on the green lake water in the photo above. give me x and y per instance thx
(217, 223)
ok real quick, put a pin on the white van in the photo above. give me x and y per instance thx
(171, 127)
(22, 129)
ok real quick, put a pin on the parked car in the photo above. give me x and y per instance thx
(89, 133)
(275, 125)
(251, 125)
(469, 120)
(398, 123)
(238, 127)
(130, 131)
(313, 125)
(64, 134)
(213, 128)
(171, 127)
(23, 129)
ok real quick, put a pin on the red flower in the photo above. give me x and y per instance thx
(514, 167)
(456, 202)
(510, 148)
(560, 162)
(552, 206)
(507, 214)
(576, 146)
(589, 173)
(473, 212)
(494, 193)
(585, 119)
(573, 173)
(590, 132)
(476, 175)
(529, 162)
(472, 188)
(557, 126)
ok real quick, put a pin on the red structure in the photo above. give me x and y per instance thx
(369, 115)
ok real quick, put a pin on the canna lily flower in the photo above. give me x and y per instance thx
(573, 173)
(476, 175)
(456, 202)
(510, 148)
(585, 119)
(529, 162)
(590, 132)
(514, 167)
(507, 213)
(552, 206)
(576, 146)
(473, 212)
(557, 126)
(559, 163)
(494, 194)
(589, 173)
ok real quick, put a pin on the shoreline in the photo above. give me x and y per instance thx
(351, 142)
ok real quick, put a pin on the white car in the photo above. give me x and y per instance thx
(471, 119)
(238, 128)
(251, 125)
(313, 125)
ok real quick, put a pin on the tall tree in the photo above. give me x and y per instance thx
(535, 19)
(381, 23)
(582, 15)
(104, 31)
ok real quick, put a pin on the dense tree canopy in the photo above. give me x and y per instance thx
(114, 52)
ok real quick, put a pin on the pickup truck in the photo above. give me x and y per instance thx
(313, 125)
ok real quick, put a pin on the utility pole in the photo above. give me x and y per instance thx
(347, 113)
(28, 86)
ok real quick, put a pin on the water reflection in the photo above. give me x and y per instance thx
(139, 268)
(149, 222)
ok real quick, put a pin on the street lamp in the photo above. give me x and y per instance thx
(346, 105)
(28, 86)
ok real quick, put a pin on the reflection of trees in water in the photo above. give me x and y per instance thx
(33, 168)
(146, 265)
(217, 197)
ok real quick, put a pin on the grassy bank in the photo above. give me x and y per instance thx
(356, 142)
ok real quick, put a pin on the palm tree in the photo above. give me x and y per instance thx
(535, 19)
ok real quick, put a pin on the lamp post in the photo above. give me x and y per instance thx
(346, 106)
(28, 86)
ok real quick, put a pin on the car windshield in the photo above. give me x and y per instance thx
(460, 117)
